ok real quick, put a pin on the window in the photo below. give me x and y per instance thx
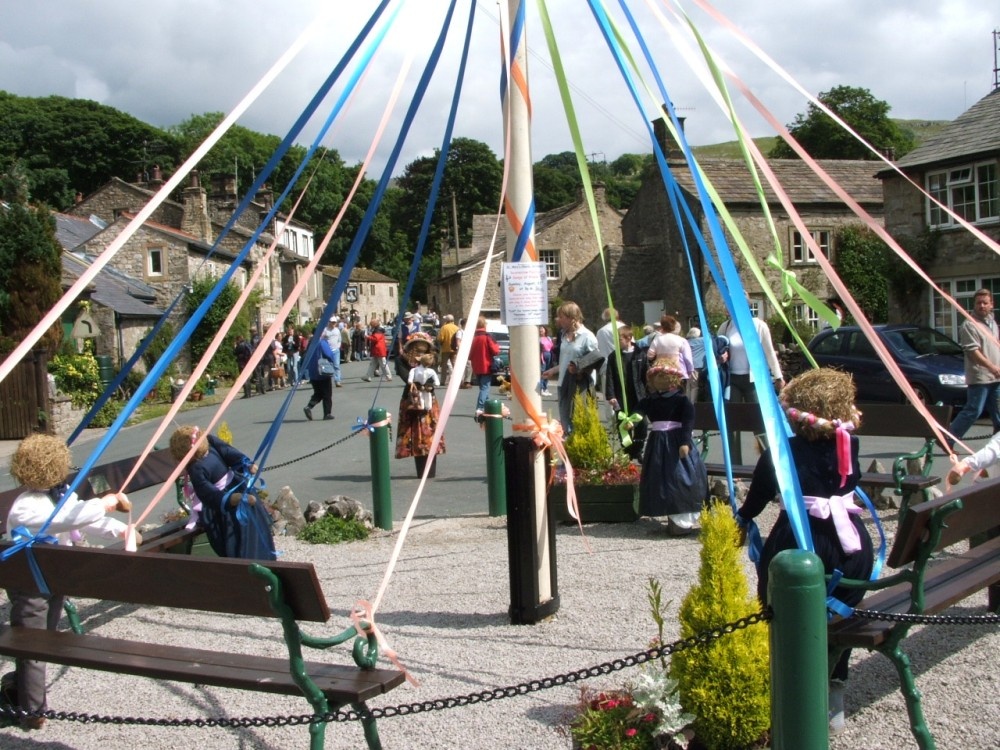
(944, 317)
(800, 250)
(551, 260)
(970, 191)
(754, 308)
(371, 289)
(805, 314)
(155, 261)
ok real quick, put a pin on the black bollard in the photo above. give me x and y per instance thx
(522, 525)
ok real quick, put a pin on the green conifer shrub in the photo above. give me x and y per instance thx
(588, 446)
(726, 683)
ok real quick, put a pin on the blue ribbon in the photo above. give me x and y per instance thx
(25, 540)
(362, 424)
(774, 421)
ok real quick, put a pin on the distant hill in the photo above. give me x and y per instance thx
(921, 129)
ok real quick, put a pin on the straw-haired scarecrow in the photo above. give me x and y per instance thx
(821, 411)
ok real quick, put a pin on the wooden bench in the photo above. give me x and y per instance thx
(156, 469)
(288, 591)
(927, 584)
(884, 420)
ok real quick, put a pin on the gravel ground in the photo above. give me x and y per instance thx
(446, 614)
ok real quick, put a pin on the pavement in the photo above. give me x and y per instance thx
(341, 464)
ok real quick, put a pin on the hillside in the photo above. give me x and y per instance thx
(921, 129)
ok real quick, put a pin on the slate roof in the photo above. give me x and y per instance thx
(974, 133)
(735, 186)
(113, 289)
(360, 274)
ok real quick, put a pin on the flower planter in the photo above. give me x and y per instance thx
(598, 503)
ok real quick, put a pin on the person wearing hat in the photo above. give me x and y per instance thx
(820, 408)
(673, 481)
(418, 408)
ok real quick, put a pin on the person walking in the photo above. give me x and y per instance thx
(618, 399)
(447, 348)
(358, 342)
(576, 342)
(484, 349)
(243, 352)
(379, 351)
(320, 382)
(606, 335)
(290, 343)
(982, 367)
(697, 344)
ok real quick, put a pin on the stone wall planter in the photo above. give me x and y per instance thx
(607, 503)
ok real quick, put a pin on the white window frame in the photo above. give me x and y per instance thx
(805, 314)
(160, 254)
(799, 252)
(981, 205)
(943, 316)
(550, 257)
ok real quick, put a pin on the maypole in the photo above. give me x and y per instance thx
(524, 352)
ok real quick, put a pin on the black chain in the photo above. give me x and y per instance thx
(869, 614)
(316, 452)
(407, 709)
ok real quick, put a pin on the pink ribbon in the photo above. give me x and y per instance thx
(843, 453)
(840, 508)
(362, 615)
(664, 426)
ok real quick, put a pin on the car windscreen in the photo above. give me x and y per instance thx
(921, 342)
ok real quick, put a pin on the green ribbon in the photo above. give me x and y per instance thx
(625, 422)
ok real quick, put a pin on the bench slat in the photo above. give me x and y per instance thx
(946, 583)
(209, 584)
(341, 684)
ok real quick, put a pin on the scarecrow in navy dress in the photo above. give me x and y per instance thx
(236, 524)
(673, 481)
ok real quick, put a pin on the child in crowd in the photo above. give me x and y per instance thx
(378, 350)
(821, 411)
(42, 463)
(235, 523)
(674, 481)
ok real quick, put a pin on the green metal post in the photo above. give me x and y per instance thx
(496, 479)
(381, 489)
(799, 668)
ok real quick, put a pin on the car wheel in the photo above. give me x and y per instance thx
(922, 395)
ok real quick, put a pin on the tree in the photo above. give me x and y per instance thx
(30, 268)
(825, 139)
(70, 145)
(224, 360)
(862, 263)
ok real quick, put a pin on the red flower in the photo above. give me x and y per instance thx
(631, 732)
(649, 717)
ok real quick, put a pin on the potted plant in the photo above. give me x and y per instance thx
(605, 479)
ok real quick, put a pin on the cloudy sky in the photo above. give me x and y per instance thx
(163, 61)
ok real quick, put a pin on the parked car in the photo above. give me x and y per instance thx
(931, 362)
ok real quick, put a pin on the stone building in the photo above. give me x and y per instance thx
(368, 294)
(959, 168)
(175, 244)
(651, 272)
(565, 241)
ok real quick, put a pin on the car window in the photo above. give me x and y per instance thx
(829, 344)
(860, 346)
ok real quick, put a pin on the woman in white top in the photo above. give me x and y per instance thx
(577, 341)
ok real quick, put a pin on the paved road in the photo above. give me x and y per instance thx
(459, 489)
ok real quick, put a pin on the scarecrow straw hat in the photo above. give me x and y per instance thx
(40, 462)
(417, 344)
(824, 393)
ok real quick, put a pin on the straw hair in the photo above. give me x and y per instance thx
(665, 375)
(40, 462)
(427, 360)
(180, 443)
(822, 399)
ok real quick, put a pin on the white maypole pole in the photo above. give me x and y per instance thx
(524, 351)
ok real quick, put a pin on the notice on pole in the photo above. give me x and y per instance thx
(524, 298)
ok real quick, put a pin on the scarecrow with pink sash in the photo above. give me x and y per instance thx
(236, 524)
(821, 412)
